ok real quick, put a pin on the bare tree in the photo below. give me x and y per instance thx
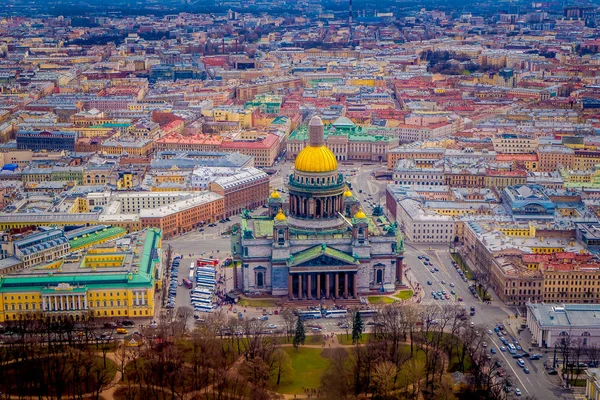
(484, 282)
(384, 380)
(289, 322)
(593, 354)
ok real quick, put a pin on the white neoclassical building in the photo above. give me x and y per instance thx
(549, 323)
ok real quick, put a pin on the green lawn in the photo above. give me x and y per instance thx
(463, 265)
(261, 303)
(347, 340)
(380, 300)
(404, 294)
(310, 339)
(308, 364)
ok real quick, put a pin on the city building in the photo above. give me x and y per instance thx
(247, 189)
(527, 202)
(421, 226)
(348, 141)
(312, 249)
(549, 323)
(115, 279)
(46, 140)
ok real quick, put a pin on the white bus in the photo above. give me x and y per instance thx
(204, 308)
(199, 296)
(191, 275)
(205, 286)
(206, 270)
(336, 313)
(309, 314)
(192, 266)
(367, 313)
(198, 302)
(202, 291)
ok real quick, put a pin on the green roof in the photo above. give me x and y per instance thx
(316, 251)
(353, 132)
(96, 237)
(94, 279)
(263, 228)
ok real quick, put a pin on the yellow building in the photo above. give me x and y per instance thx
(133, 147)
(125, 181)
(77, 285)
(231, 114)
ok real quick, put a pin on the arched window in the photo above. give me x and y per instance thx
(563, 333)
(586, 334)
(379, 276)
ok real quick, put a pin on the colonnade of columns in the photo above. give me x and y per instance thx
(64, 302)
(318, 207)
(318, 285)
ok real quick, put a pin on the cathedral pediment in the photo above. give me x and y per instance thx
(321, 255)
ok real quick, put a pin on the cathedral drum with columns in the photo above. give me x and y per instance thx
(317, 244)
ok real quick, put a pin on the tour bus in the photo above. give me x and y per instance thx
(309, 314)
(205, 286)
(367, 313)
(210, 270)
(511, 348)
(205, 275)
(198, 300)
(201, 295)
(335, 313)
(206, 281)
(187, 283)
(202, 291)
(204, 308)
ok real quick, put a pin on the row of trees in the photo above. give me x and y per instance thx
(409, 355)
(571, 353)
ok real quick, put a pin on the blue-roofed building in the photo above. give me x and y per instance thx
(41, 247)
(527, 202)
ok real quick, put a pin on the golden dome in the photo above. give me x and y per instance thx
(347, 193)
(360, 214)
(280, 216)
(275, 194)
(316, 159)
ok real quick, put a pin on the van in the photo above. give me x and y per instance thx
(122, 331)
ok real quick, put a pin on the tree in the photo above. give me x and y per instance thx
(484, 282)
(299, 336)
(383, 379)
(289, 320)
(281, 365)
(357, 328)
(336, 381)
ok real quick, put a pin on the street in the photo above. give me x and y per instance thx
(537, 383)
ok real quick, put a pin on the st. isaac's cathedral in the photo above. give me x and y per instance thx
(319, 244)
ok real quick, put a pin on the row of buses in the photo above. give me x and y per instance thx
(316, 314)
(204, 272)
